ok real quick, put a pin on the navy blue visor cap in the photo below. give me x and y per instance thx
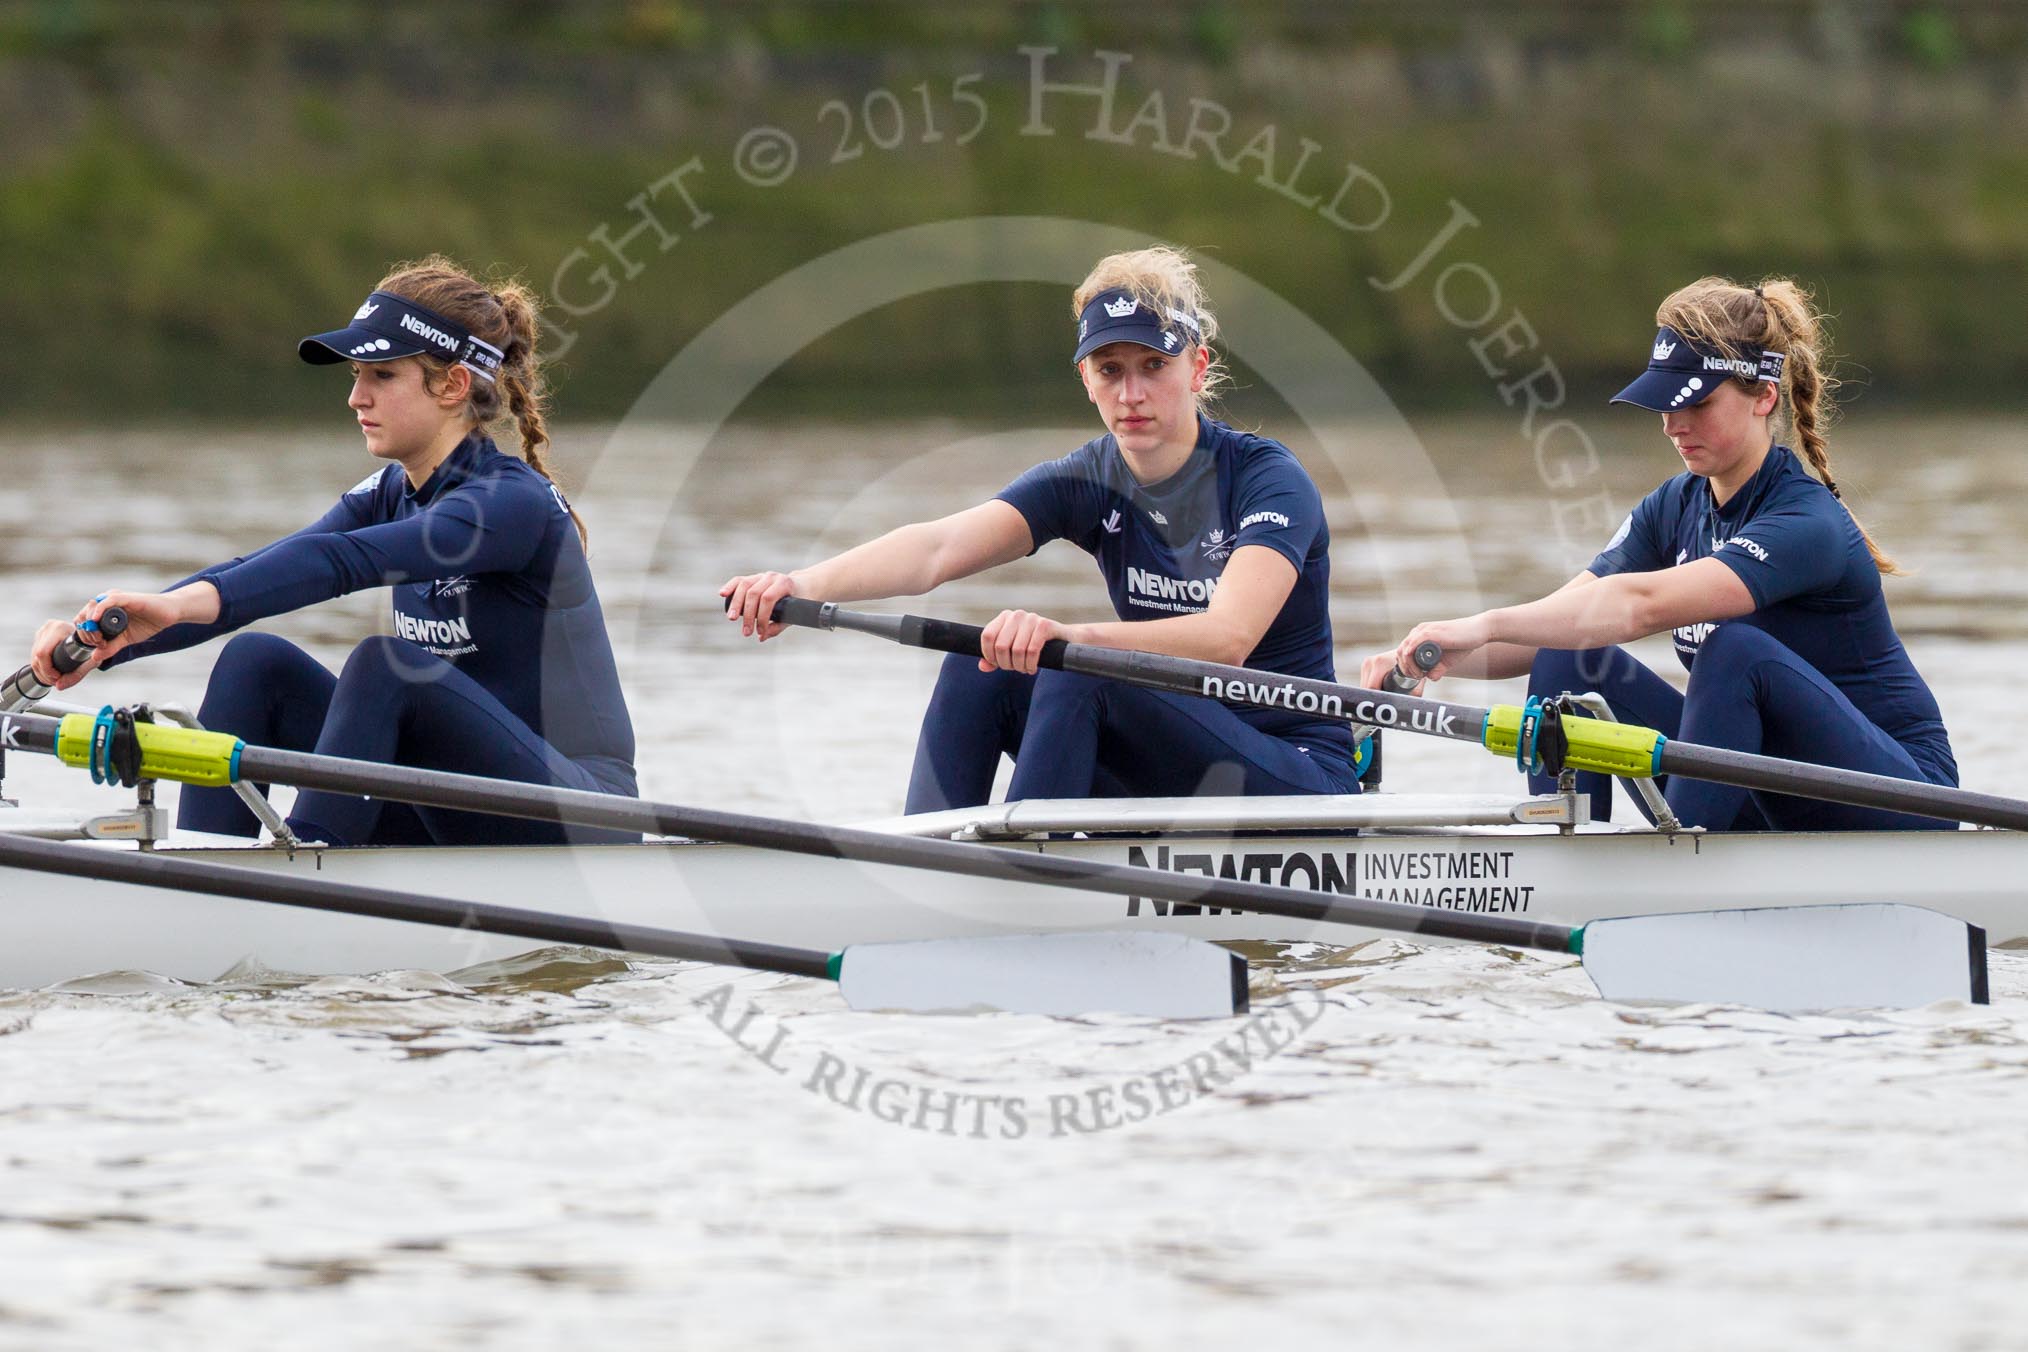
(1120, 317)
(1682, 375)
(387, 327)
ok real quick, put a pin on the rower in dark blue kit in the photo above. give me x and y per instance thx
(499, 665)
(1752, 562)
(1212, 543)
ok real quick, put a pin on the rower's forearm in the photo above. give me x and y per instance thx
(196, 603)
(1610, 611)
(1202, 637)
(1496, 662)
(902, 562)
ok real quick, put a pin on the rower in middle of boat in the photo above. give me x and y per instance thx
(1212, 543)
(1752, 562)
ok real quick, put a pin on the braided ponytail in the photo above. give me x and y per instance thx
(505, 318)
(1792, 325)
(1778, 316)
(521, 380)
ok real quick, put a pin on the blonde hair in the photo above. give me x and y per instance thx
(1163, 279)
(502, 313)
(1721, 314)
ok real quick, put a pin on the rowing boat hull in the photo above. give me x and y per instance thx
(55, 929)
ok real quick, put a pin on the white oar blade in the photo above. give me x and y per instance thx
(1790, 958)
(1166, 976)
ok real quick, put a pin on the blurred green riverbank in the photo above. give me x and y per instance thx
(186, 189)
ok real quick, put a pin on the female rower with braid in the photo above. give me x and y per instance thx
(1750, 559)
(502, 666)
(1212, 543)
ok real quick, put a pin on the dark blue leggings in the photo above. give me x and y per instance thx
(1747, 693)
(395, 704)
(1075, 736)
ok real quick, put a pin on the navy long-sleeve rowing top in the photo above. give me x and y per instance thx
(1814, 584)
(1162, 547)
(487, 572)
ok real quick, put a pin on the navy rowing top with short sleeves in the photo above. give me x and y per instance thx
(1815, 587)
(1162, 547)
(487, 573)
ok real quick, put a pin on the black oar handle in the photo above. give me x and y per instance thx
(24, 687)
(944, 636)
(73, 652)
(949, 636)
(1398, 682)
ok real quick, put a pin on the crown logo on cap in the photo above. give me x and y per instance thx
(1121, 308)
(1662, 350)
(364, 311)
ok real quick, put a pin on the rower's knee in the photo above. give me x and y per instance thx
(962, 691)
(255, 658)
(384, 667)
(1557, 669)
(1063, 688)
(1729, 644)
(373, 659)
(252, 673)
(960, 677)
(1576, 670)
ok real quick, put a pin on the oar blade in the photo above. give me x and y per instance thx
(1790, 959)
(1166, 976)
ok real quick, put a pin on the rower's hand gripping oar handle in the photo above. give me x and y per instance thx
(24, 687)
(73, 652)
(1398, 682)
(963, 639)
(944, 636)
(948, 636)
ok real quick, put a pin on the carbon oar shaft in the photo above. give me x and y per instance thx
(185, 756)
(1182, 675)
(1617, 748)
(381, 903)
(1800, 779)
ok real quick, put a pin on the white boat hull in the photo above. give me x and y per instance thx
(53, 929)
